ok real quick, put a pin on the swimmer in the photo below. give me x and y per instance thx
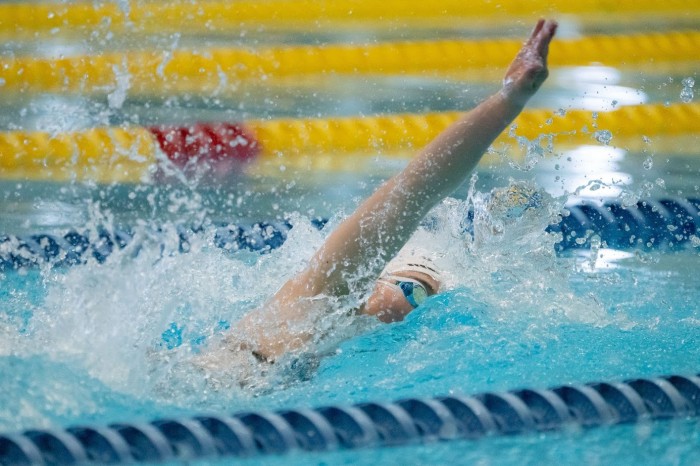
(369, 242)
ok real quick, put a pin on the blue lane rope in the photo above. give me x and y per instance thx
(669, 223)
(77, 247)
(374, 424)
(664, 223)
(649, 224)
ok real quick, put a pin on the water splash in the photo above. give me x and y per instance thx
(136, 322)
(504, 257)
(117, 97)
(603, 136)
(687, 93)
(533, 150)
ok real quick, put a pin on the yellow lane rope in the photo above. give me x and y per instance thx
(207, 16)
(395, 133)
(131, 154)
(101, 154)
(218, 68)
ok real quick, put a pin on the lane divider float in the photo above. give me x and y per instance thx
(41, 18)
(133, 154)
(363, 425)
(215, 69)
(667, 223)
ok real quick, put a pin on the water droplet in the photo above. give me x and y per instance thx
(603, 136)
(172, 336)
(687, 93)
(695, 241)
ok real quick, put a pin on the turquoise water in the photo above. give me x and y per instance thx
(94, 343)
(101, 343)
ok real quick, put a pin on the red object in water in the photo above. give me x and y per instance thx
(215, 144)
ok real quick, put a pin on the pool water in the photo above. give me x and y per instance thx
(99, 343)
(110, 342)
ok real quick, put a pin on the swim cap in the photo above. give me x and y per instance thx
(413, 260)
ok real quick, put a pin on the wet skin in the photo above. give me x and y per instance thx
(389, 304)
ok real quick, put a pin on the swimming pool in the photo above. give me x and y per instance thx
(98, 343)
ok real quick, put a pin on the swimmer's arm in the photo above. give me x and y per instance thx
(383, 223)
(450, 158)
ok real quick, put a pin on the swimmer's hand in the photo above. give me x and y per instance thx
(528, 70)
